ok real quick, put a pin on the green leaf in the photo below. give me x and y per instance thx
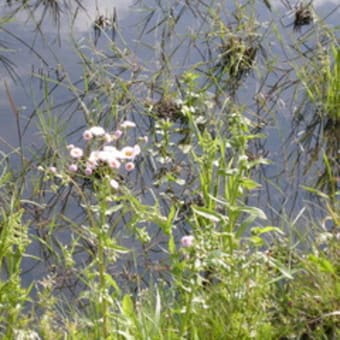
(255, 212)
(172, 245)
(113, 209)
(207, 213)
(127, 306)
(109, 280)
(315, 191)
(281, 268)
(323, 264)
(263, 230)
(257, 241)
(249, 184)
(157, 308)
(110, 243)
(186, 148)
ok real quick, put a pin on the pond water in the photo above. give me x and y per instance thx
(43, 52)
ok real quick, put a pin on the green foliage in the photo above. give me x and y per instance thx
(13, 243)
(323, 87)
(105, 219)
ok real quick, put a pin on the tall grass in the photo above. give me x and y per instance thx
(141, 215)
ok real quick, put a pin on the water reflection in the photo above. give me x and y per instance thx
(45, 63)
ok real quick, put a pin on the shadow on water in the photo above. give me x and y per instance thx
(132, 68)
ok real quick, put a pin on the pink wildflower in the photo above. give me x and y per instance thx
(117, 134)
(113, 163)
(88, 171)
(129, 152)
(187, 241)
(129, 166)
(52, 169)
(137, 149)
(76, 152)
(73, 167)
(87, 135)
(127, 124)
(92, 161)
(97, 131)
(104, 156)
(108, 138)
(114, 184)
(110, 149)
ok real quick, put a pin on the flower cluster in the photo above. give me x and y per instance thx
(101, 154)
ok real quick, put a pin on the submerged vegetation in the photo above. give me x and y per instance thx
(158, 203)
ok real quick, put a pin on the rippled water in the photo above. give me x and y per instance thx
(54, 47)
